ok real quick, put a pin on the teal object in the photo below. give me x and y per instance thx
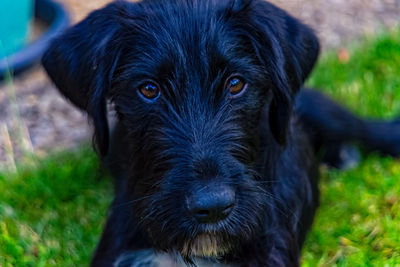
(15, 23)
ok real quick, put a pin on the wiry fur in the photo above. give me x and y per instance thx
(195, 133)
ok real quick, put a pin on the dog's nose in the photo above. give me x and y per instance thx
(211, 203)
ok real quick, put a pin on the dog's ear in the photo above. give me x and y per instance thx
(288, 49)
(81, 63)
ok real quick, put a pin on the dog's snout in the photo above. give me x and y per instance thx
(211, 203)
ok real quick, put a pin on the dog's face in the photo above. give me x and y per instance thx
(204, 88)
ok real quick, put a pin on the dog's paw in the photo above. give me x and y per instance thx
(150, 258)
(140, 258)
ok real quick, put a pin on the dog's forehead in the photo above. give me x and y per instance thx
(182, 34)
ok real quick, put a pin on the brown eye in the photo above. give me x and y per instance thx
(235, 85)
(149, 91)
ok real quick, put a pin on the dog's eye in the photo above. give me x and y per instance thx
(236, 86)
(150, 91)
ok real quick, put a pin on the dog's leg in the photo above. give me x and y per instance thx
(112, 240)
(332, 127)
(110, 245)
(120, 234)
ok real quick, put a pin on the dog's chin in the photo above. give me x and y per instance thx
(206, 245)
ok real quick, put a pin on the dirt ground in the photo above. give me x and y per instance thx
(34, 118)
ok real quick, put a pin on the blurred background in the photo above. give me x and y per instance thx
(52, 203)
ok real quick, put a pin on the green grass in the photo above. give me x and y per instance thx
(52, 214)
(358, 223)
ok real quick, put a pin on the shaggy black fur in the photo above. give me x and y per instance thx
(260, 143)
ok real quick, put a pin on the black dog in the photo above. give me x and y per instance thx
(213, 154)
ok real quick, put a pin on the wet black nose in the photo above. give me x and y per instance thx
(211, 203)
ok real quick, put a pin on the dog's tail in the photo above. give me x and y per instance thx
(333, 128)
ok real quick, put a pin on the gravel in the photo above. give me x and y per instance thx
(34, 118)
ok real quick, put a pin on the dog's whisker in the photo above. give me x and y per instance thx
(131, 202)
(267, 182)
